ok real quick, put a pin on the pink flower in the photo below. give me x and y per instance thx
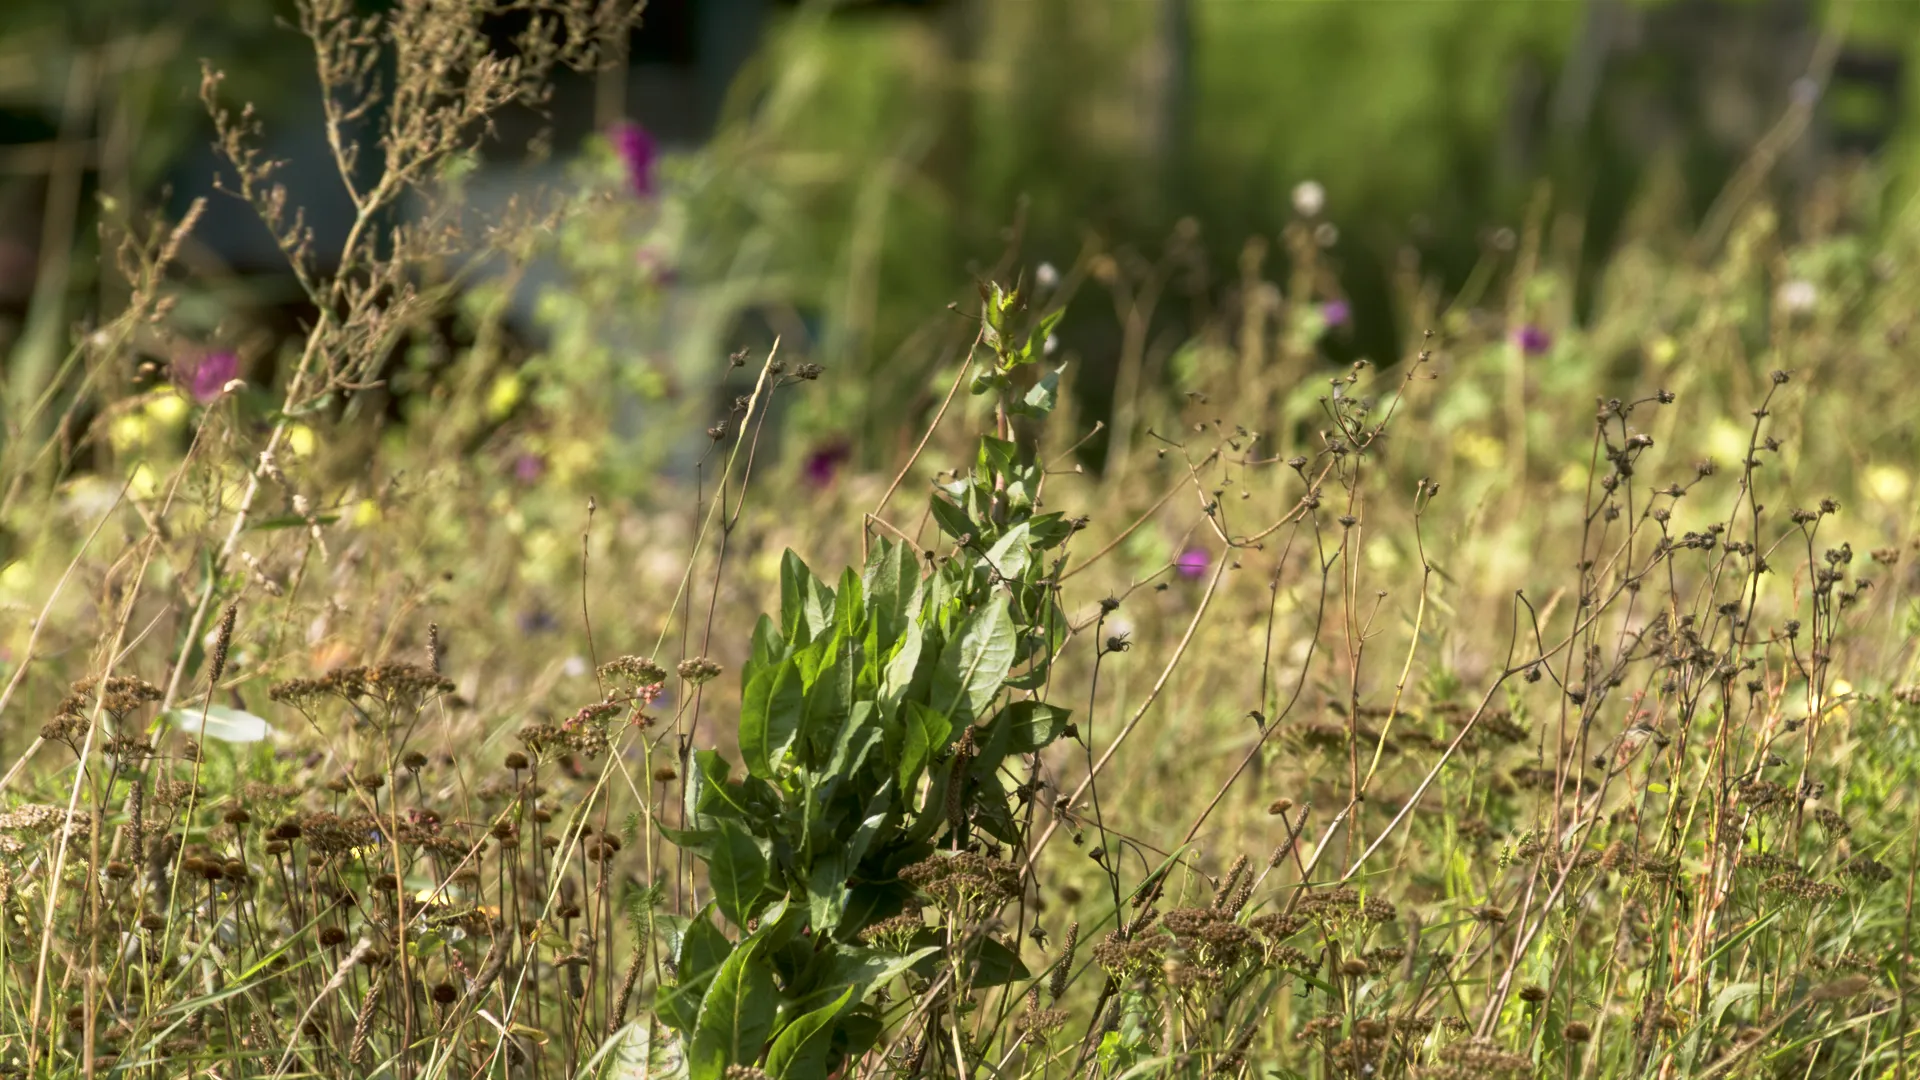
(1192, 563)
(206, 377)
(823, 464)
(1336, 313)
(637, 150)
(1533, 340)
(528, 468)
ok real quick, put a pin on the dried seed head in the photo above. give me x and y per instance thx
(516, 760)
(1576, 1032)
(1063, 970)
(222, 642)
(699, 670)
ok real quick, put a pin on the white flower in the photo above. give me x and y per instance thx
(574, 667)
(1045, 276)
(1798, 295)
(1309, 198)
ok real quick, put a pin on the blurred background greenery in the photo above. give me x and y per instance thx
(835, 173)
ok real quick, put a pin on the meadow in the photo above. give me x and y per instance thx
(1538, 701)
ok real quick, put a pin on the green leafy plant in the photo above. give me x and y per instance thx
(877, 721)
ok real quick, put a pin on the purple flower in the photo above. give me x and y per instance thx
(1192, 562)
(1533, 339)
(206, 377)
(528, 468)
(1336, 313)
(823, 463)
(638, 151)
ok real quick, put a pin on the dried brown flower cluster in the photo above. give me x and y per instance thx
(1343, 907)
(965, 882)
(400, 687)
(1209, 937)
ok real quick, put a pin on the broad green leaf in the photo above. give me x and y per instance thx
(737, 871)
(220, 722)
(770, 711)
(1031, 725)
(717, 800)
(1041, 397)
(859, 733)
(794, 594)
(827, 890)
(698, 951)
(974, 663)
(820, 608)
(799, 1052)
(632, 1053)
(1050, 530)
(829, 701)
(996, 457)
(768, 645)
(849, 611)
(1010, 557)
(892, 586)
(955, 523)
(926, 732)
(735, 1016)
(878, 811)
(806, 604)
(1037, 340)
(898, 679)
(701, 947)
(988, 963)
(856, 966)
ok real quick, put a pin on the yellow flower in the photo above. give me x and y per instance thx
(142, 483)
(167, 408)
(128, 430)
(300, 440)
(1482, 450)
(505, 393)
(1886, 483)
(16, 577)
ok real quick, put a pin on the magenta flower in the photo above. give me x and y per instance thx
(1192, 562)
(528, 468)
(823, 463)
(638, 152)
(1336, 313)
(1533, 339)
(206, 377)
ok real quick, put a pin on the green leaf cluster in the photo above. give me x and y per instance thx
(855, 704)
